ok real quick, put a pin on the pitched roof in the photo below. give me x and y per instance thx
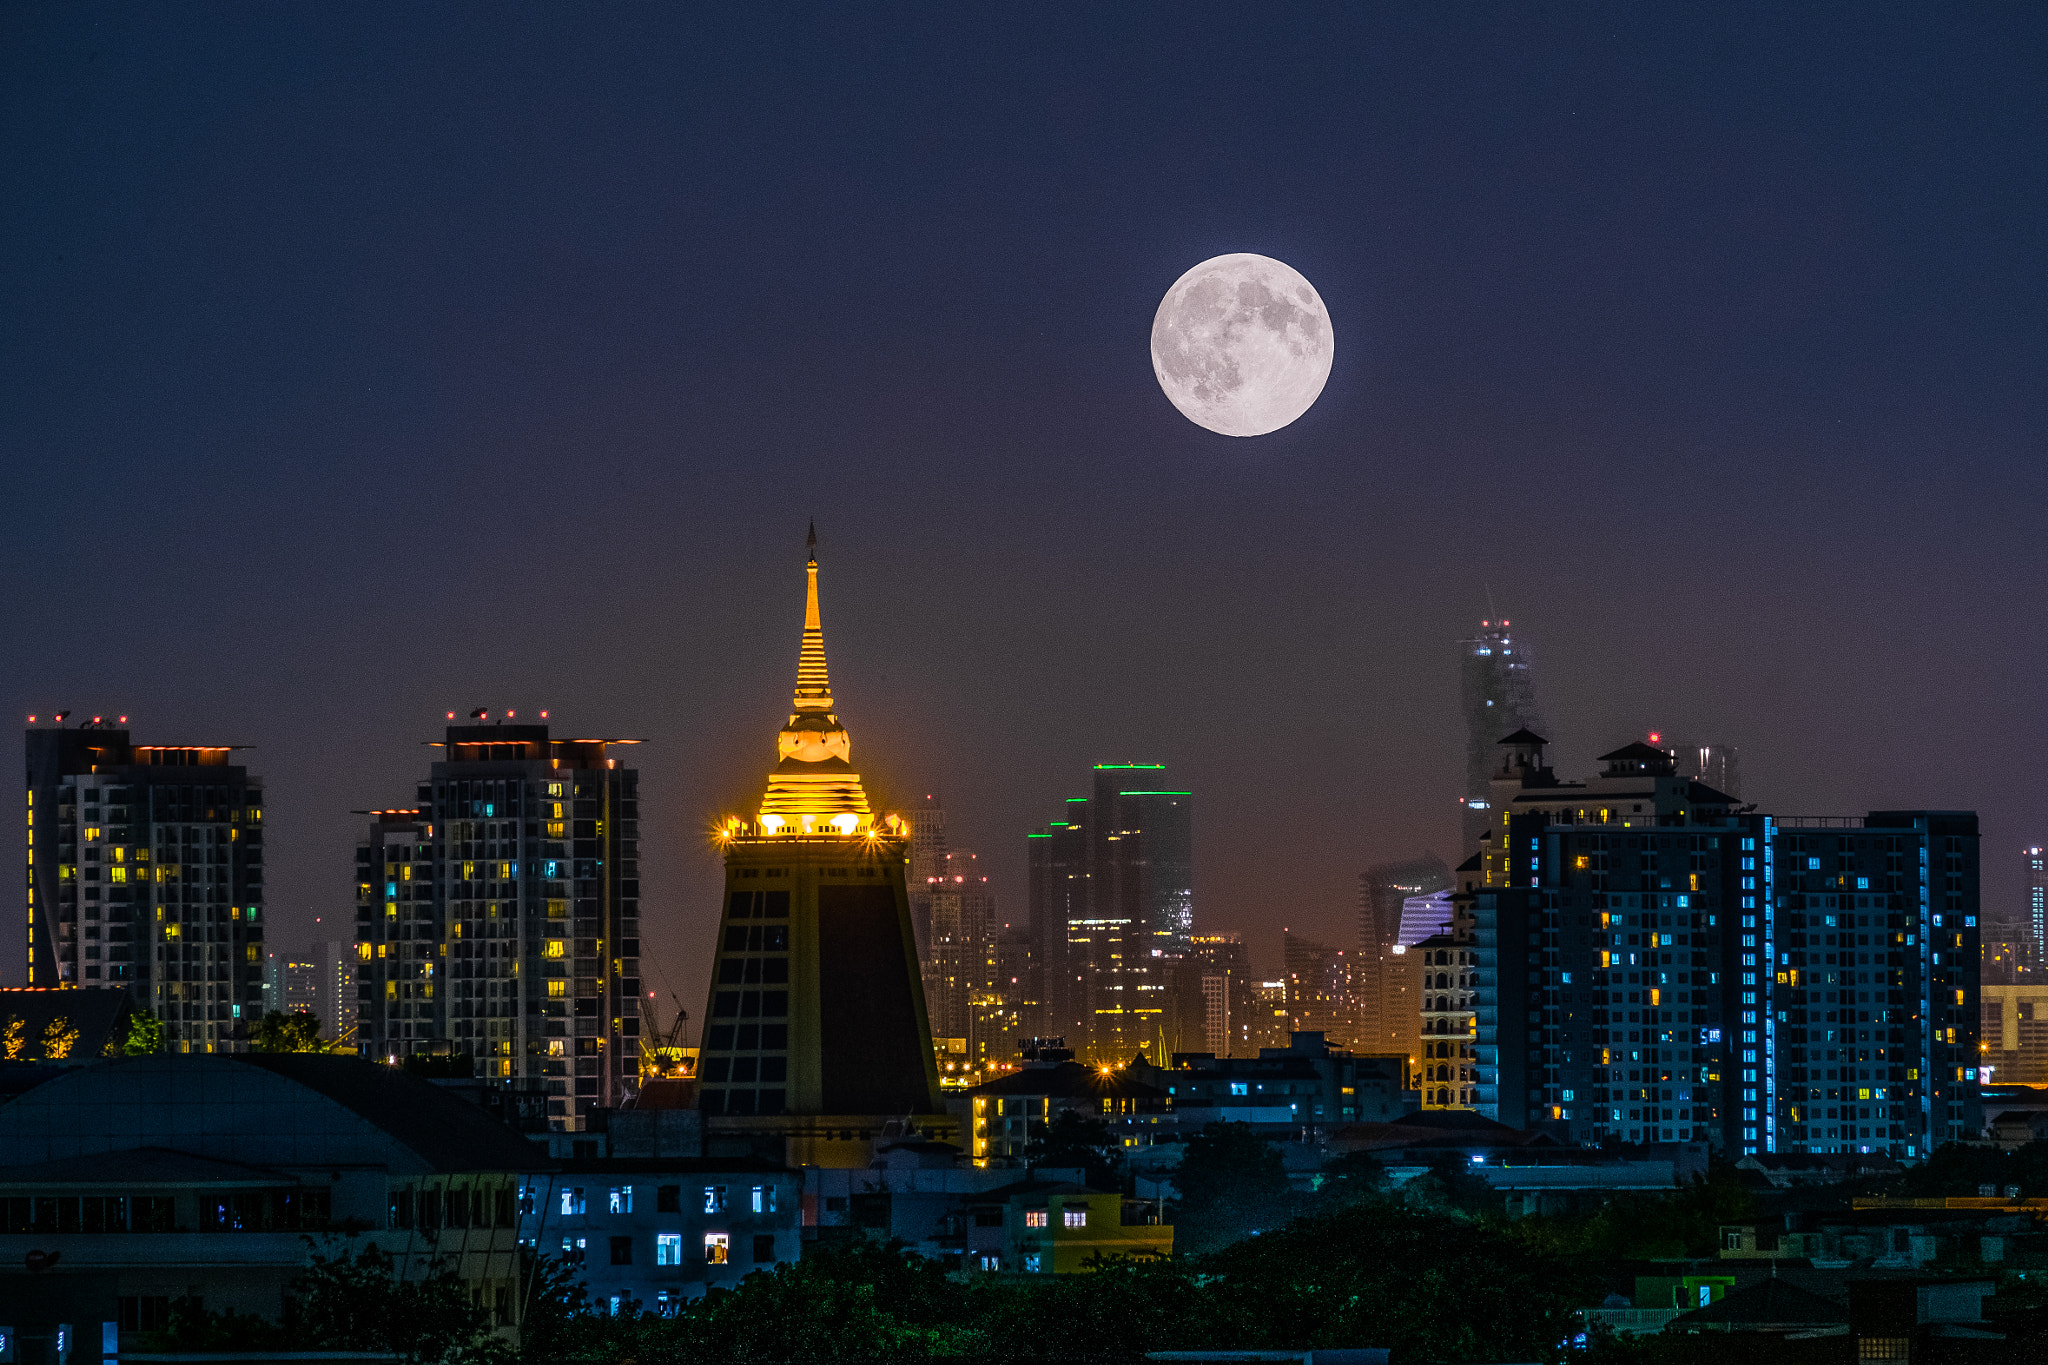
(142, 1166)
(1525, 736)
(447, 1132)
(1636, 752)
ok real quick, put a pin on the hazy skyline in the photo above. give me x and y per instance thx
(367, 364)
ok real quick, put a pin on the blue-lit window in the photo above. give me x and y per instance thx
(1863, 883)
(1239, 1088)
(551, 870)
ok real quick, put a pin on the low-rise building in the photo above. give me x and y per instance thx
(659, 1231)
(1306, 1083)
(1006, 1115)
(131, 1183)
(1063, 1229)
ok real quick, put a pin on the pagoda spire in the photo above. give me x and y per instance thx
(813, 684)
(814, 782)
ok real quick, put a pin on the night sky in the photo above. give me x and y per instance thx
(362, 363)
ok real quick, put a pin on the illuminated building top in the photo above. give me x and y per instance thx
(814, 789)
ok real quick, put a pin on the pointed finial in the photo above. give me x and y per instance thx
(811, 543)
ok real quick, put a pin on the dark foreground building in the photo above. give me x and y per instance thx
(129, 1184)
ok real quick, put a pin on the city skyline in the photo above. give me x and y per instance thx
(1668, 284)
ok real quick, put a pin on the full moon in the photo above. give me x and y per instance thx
(1242, 344)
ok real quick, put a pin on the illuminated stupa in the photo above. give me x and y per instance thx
(816, 1043)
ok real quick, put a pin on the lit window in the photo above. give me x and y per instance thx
(556, 947)
(714, 1199)
(558, 988)
(716, 1249)
(572, 1201)
(668, 1248)
(622, 1199)
(1031, 1263)
(1034, 1218)
(1077, 1217)
(764, 1199)
(1240, 1088)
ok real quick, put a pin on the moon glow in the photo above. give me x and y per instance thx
(1242, 344)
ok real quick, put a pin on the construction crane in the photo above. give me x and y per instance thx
(662, 1055)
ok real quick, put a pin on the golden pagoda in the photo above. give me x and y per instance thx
(816, 1045)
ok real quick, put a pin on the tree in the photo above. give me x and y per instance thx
(1232, 1183)
(60, 1035)
(13, 1038)
(360, 1303)
(1073, 1139)
(145, 1036)
(281, 1032)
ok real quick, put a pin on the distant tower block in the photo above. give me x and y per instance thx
(816, 1041)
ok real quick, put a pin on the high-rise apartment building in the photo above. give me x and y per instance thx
(1498, 694)
(291, 987)
(1215, 997)
(959, 966)
(1654, 963)
(145, 871)
(1318, 989)
(927, 851)
(2037, 898)
(816, 1035)
(1385, 1013)
(499, 917)
(1112, 906)
(337, 966)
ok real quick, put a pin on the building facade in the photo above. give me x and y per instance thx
(145, 872)
(498, 918)
(1385, 1020)
(658, 1232)
(2037, 897)
(1656, 963)
(1497, 692)
(156, 1178)
(1112, 905)
(816, 1034)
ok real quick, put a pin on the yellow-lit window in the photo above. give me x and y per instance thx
(1656, 997)
(251, 951)
(92, 831)
(1863, 1094)
(555, 789)
(362, 952)
(556, 947)
(1695, 881)
(468, 871)
(504, 872)
(120, 874)
(1034, 1218)
(558, 988)
(171, 930)
(391, 990)
(555, 828)
(558, 909)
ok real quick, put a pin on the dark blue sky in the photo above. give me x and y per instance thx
(363, 362)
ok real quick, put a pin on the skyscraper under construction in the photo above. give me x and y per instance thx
(816, 1040)
(1498, 694)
